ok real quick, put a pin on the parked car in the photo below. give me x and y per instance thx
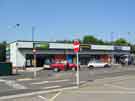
(47, 64)
(72, 66)
(93, 64)
(60, 66)
(127, 59)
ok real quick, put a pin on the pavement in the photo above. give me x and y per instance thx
(48, 85)
(120, 88)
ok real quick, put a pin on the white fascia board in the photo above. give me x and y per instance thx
(126, 48)
(101, 47)
(109, 47)
(24, 44)
(60, 46)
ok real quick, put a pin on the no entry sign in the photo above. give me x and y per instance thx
(76, 46)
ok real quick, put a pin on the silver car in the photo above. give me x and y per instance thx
(97, 63)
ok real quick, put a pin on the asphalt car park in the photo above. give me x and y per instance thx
(48, 80)
(120, 87)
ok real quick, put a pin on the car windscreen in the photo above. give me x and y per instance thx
(47, 62)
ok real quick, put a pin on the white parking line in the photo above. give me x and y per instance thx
(1, 80)
(25, 79)
(43, 98)
(44, 82)
(104, 71)
(54, 97)
(35, 93)
(103, 92)
(80, 82)
(14, 84)
(51, 87)
(119, 87)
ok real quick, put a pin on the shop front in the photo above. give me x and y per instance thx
(21, 53)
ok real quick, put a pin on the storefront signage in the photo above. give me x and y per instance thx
(85, 47)
(102, 47)
(118, 48)
(76, 45)
(41, 45)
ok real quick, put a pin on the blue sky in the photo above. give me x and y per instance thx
(66, 19)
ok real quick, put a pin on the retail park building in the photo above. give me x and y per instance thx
(20, 53)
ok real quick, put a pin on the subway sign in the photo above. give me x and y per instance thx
(44, 45)
(85, 47)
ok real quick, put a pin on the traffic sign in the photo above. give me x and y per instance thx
(76, 50)
(76, 45)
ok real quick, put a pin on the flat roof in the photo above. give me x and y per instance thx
(62, 42)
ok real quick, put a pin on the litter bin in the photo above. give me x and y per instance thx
(5, 68)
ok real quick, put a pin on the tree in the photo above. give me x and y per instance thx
(3, 51)
(121, 41)
(133, 49)
(100, 42)
(64, 41)
(107, 43)
(90, 39)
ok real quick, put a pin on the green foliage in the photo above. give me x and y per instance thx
(121, 41)
(3, 51)
(107, 43)
(90, 39)
(64, 41)
(133, 49)
(100, 42)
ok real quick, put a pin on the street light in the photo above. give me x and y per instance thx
(34, 50)
(16, 26)
(112, 45)
(33, 47)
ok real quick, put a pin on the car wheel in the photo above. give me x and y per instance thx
(91, 67)
(106, 65)
(56, 70)
(73, 69)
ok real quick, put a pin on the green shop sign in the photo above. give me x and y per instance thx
(41, 45)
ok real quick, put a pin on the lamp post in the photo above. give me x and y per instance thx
(112, 45)
(34, 50)
(17, 26)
